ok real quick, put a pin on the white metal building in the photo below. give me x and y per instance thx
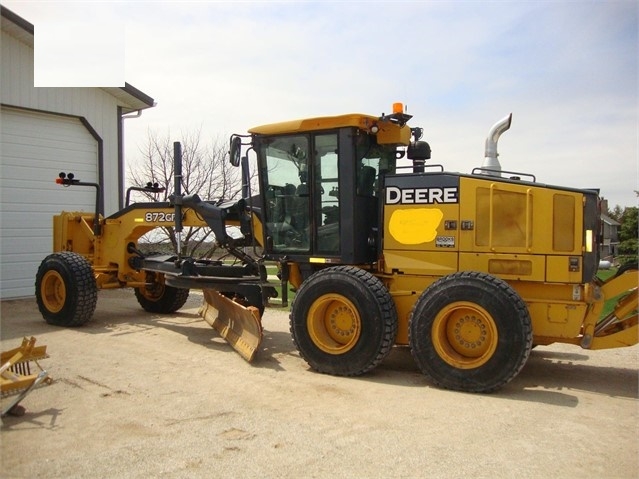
(44, 131)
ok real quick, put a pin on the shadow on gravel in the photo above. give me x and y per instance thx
(24, 317)
(46, 419)
(549, 376)
(115, 308)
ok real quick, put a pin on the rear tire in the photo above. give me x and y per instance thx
(470, 332)
(159, 298)
(343, 321)
(66, 291)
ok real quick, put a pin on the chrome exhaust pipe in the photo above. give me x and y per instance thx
(491, 163)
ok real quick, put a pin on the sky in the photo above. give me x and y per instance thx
(566, 70)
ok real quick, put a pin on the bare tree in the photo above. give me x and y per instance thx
(206, 172)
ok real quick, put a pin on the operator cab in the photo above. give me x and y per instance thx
(320, 181)
(320, 193)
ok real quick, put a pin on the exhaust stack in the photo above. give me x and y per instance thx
(490, 156)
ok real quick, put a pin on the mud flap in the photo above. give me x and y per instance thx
(238, 325)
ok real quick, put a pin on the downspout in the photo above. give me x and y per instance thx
(100, 184)
(121, 169)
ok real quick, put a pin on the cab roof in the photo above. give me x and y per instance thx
(357, 120)
(387, 129)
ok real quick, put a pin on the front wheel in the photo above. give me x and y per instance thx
(157, 297)
(66, 291)
(343, 321)
(470, 332)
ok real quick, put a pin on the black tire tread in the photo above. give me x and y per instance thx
(385, 303)
(171, 300)
(82, 292)
(503, 288)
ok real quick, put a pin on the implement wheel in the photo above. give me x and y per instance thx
(470, 332)
(157, 297)
(65, 289)
(343, 321)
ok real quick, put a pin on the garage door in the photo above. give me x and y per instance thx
(34, 148)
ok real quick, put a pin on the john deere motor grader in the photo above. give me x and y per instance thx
(468, 270)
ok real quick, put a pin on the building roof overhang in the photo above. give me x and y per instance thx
(129, 98)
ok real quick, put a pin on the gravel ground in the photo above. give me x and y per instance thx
(138, 395)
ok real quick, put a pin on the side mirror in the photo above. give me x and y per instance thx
(236, 150)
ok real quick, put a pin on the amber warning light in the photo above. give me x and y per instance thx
(398, 108)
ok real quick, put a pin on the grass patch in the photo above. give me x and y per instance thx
(604, 274)
(271, 271)
(610, 304)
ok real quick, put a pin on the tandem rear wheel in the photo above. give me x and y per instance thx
(470, 332)
(343, 321)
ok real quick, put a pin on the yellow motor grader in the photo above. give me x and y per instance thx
(468, 270)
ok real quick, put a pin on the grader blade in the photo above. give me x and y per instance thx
(240, 326)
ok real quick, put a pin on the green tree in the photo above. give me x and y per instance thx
(629, 227)
(628, 235)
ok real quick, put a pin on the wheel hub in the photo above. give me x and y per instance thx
(464, 335)
(154, 288)
(334, 324)
(470, 332)
(342, 322)
(53, 291)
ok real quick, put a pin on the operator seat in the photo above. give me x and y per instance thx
(366, 181)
